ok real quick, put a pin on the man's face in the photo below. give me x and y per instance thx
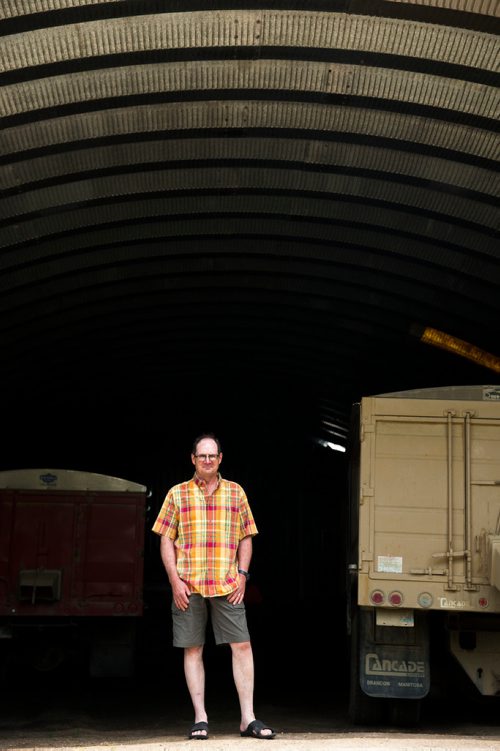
(207, 459)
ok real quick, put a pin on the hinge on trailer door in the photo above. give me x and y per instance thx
(366, 492)
(365, 428)
(429, 571)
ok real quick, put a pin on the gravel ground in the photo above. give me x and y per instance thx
(121, 721)
(292, 741)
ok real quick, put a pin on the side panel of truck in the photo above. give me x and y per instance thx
(71, 553)
(71, 563)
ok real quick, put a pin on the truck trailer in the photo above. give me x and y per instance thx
(71, 569)
(423, 566)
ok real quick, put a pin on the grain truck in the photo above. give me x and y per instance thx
(71, 569)
(424, 546)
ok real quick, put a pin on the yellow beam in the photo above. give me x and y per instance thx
(459, 347)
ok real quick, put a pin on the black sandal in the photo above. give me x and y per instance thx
(194, 736)
(254, 730)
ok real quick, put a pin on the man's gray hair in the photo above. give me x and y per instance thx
(202, 437)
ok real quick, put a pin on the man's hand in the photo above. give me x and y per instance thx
(237, 596)
(180, 593)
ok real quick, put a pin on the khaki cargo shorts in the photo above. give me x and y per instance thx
(229, 622)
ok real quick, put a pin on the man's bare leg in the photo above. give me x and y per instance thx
(194, 671)
(243, 673)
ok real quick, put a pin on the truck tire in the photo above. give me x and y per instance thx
(405, 713)
(112, 649)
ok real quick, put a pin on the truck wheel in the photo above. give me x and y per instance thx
(112, 649)
(363, 709)
(405, 712)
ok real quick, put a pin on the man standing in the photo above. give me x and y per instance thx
(206, 529)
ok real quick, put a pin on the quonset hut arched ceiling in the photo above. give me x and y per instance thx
(215, 200)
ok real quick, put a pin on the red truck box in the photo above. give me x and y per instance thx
(71, 545)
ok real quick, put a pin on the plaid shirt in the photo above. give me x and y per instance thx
(207, 530)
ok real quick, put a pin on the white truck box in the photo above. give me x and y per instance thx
(425, 517)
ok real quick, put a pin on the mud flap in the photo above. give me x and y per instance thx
(393, 660)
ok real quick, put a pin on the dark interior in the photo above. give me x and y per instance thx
(241, 219)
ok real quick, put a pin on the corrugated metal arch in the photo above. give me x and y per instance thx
(322, 181)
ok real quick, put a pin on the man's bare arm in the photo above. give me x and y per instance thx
(180, 589)
(244, 556)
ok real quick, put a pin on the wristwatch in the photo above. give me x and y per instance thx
(245, 573)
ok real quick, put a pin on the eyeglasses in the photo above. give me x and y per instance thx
(207, 457)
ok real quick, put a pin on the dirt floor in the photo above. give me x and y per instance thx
(155, 717)
(307, 742)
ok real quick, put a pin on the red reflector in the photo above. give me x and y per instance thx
(483, 602)
(395, 598)
(377, 597)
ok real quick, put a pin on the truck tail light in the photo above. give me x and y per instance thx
(395, 599)
(377, 597)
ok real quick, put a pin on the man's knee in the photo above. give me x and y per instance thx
(193, 653)
(241, 647)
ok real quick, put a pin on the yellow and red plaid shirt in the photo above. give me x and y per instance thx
(207, 530)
